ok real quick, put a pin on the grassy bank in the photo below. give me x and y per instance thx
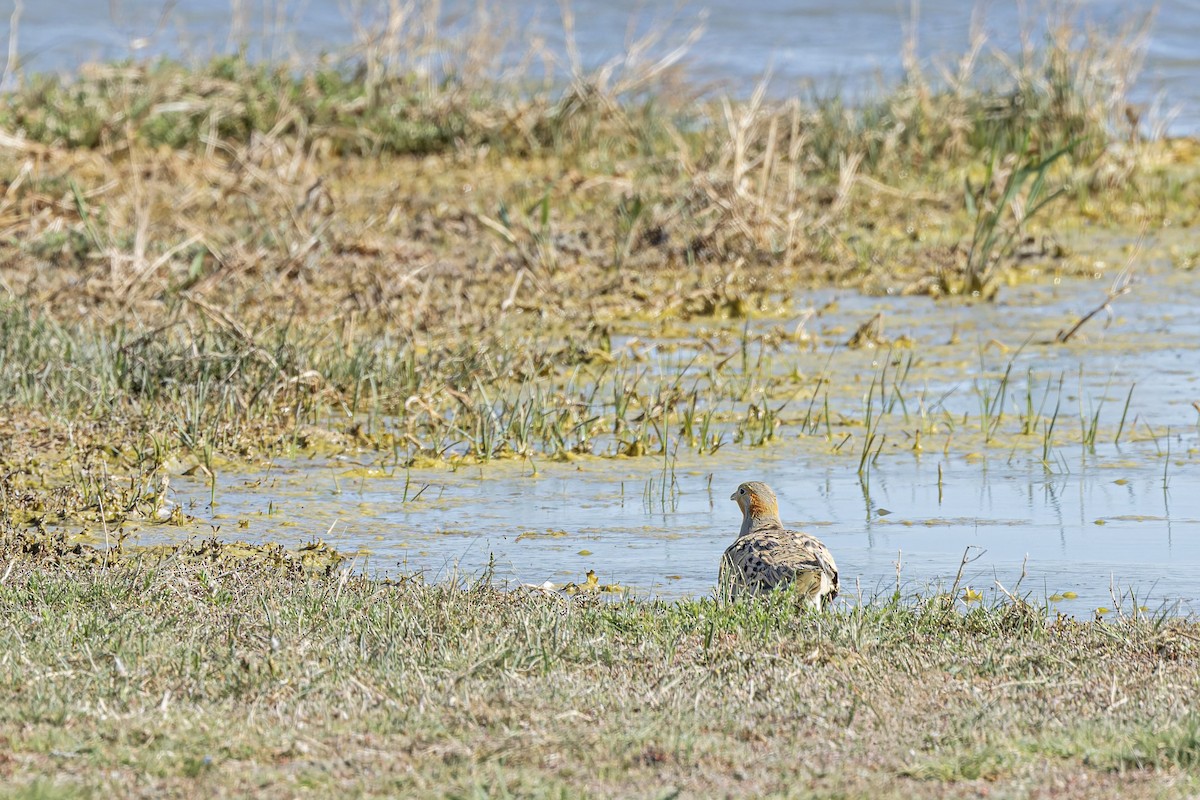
(195, 674)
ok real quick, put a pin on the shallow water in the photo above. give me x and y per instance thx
(1100, 524)
(843, 47)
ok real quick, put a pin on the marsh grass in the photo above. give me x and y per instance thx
(202, 672)
(223, 261)
(1001, 219)
(705, 179)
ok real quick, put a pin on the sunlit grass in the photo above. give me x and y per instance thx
(203, 671)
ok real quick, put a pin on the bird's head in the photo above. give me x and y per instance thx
(756, 500)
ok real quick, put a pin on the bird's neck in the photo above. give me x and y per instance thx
(756, 521)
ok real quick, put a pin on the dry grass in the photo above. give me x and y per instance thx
(217, 256)
(197, 674)
(399, 185)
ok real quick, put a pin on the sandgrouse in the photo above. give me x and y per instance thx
(767, 556)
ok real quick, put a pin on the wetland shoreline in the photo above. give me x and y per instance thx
(209, 268)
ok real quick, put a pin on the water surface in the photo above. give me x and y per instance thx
(1122, 519)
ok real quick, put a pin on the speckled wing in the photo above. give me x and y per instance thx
(767, 559)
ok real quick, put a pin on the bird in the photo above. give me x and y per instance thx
(767, 556)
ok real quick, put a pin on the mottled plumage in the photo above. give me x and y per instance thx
(767, 556)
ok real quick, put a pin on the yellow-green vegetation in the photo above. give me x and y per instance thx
(209, 264)
(206, 266)
(194, 675)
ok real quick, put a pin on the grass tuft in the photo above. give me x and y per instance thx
(299, 678)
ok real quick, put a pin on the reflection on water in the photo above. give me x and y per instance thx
(1100, 526)
(1080, 521)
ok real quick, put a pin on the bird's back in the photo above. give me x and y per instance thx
(770, 557)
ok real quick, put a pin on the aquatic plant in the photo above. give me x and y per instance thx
(1001, 206)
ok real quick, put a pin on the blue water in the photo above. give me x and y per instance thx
(1095, 531)
(809, 45)
(1122, 521)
